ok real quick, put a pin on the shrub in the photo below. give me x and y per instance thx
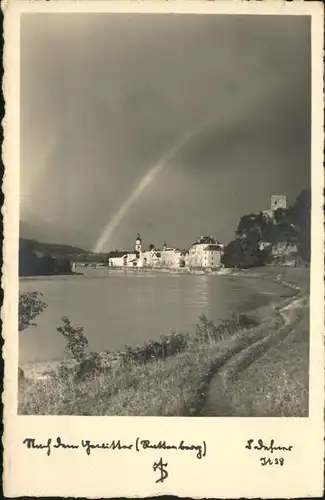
(206, 331)
(93, 363)
(77, 341)
(238, 321)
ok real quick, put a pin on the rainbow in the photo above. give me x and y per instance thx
(147, 179)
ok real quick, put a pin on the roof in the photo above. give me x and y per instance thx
(206, 239)
(121, 253)
(117, 253)
(214, 247)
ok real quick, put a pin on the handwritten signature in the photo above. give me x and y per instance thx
(162, 467)
(268, 447)
(259, 445)
(88, 446)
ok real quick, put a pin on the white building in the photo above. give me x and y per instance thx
(206, 252)
(170, 256)
(167, 257)
(150, 258)
(120, 258)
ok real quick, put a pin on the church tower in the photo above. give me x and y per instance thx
(138, 243)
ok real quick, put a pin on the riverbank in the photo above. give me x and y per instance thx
(180, 384)
(48, 276)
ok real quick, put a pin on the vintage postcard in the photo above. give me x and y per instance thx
(164, 249)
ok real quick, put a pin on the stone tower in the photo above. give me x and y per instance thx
(138, 243)
(278, 201)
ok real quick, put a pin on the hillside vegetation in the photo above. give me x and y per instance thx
(291, 225)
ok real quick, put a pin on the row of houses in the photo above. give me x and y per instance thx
(205, 252)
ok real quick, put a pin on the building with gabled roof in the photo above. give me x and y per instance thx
(206, 252)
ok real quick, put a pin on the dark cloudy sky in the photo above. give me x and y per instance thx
(103, 96)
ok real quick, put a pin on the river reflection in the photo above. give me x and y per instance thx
(118, 309)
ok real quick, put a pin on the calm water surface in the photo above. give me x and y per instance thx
(117, 308)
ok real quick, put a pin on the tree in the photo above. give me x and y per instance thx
(151, 246)
(249, 226)
(28, 260)
(47, 265)
(300, 215)
(242, 253)
(64, 266)
(30, 306)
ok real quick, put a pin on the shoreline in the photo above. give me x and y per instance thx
(230, 272)
(47, 276)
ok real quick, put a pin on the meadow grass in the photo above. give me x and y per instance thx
(277, 383)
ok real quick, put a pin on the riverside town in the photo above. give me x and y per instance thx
(278, 235)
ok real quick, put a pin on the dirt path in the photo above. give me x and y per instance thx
(232, 390)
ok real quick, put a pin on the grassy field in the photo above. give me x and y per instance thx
(270, 378)
(277, 383)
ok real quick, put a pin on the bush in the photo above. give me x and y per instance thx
(206, 331)
(93, 363)
(169, 345)
(238, 321)
(77, 341)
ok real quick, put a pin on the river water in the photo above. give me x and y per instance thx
(117, 308)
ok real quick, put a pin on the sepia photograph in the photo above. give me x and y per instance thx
(163, 249)
(165, 215)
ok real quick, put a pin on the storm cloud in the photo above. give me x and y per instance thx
(103, 97)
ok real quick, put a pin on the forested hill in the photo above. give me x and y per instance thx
(54, 249)
(41, 259)
(290, 225)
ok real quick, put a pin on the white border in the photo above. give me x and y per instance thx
(228, 471)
